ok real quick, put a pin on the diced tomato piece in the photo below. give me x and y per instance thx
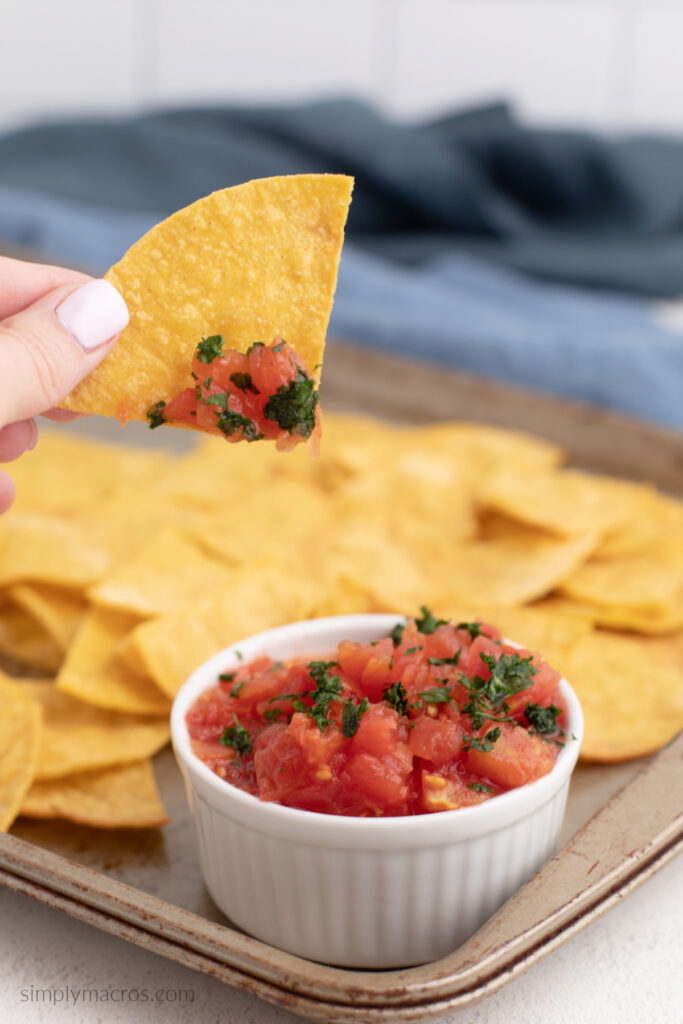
(475, 665)
(318, 746)
(517, 757)
(436, 740)
(383, 780)
(378, 732)
(441, 793)
(543, 690)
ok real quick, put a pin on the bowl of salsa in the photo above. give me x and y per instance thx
(368, 789)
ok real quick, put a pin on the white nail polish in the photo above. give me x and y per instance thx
(93, 314)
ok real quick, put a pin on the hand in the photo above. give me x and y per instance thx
(56, 325)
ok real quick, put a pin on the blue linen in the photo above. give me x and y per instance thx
(445, 216)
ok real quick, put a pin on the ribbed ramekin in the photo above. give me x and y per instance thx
(362, 892)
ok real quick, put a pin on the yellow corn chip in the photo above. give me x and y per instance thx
(173, 645)
(631, 692)
(249, 262)
(20, 724)
(168, 572)
(57, 610)
(78, 737)
(121, 797)
(567, 503)
(508, 570)
(94, 673)
(42, 548)
(24, 641)
(635, 582)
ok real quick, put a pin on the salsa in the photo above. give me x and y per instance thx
(263, 393)
(434, 717)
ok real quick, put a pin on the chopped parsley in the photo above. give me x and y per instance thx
(473, 628)
(428, 623)
(397, 696)
(272, 714)
(445, 661)
(235, 691)
(411, 650)
(543, 720)
(479, 787)
(437, 695)
(327, 688)
(237, 736)
(482, 743)
(509, 675)
(280, 345)
(227, 677)
(397, 633)
(244, 382)
(230, 422)
(209, 349)
(351, 716)
(155, 415)
(293, 407)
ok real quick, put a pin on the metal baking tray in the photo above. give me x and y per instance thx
(623, 822)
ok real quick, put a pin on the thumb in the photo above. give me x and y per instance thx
(47, 348)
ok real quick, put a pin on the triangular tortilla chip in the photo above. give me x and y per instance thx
(249, 262)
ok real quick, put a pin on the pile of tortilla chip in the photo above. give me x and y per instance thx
(123, 569)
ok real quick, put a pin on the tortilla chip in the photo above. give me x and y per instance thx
(249, 262)
(66, 474)
(636, 582)
(42, 548)
(631, 692)
(168, 572)
(122, 797)
(566, 503)
(57, 610)
(173, 645)
(94, 673)
(20, 725)
(508, 570)
(24, 641)
(78, 737)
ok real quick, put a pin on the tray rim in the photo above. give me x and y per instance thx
(462, 978)
(594, 438)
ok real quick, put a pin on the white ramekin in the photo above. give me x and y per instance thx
(362, 892)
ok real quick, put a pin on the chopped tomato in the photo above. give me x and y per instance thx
(265, 392)
(412, 723)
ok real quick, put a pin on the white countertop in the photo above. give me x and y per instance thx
(626, 968)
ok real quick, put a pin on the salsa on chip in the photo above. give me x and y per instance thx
(264, 393)
(211, 292)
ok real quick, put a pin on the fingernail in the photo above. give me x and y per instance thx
(33, 436)
(93, 314)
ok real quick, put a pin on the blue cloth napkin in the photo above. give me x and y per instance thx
(469, 238)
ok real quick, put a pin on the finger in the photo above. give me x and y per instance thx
(24, 283)
(17, 438)
(61, 415)
(53, 344)
(6, 492)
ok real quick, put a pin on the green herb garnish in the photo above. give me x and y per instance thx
(428, 623)
(397, 633)
(244, 382)
(479, 787)
(543, 720)
(473, 628)
(293, 407)
(272, 714)
(445, 661)
(437, 695)
(509, 675)
(411, 650)
(227, 677)
(351, 716)
(235, 691)
(155, 415)
(397, 696)
(482, 743)
(237, 736)
(209, 349)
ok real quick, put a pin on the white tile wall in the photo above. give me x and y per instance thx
(601, 63)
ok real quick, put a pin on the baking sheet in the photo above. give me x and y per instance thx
(146, 886)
